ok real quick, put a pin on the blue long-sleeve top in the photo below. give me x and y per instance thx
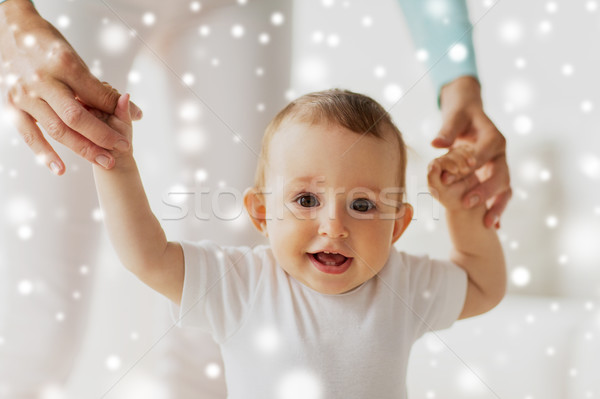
(442, 28)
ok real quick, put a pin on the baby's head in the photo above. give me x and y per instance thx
(329, 187)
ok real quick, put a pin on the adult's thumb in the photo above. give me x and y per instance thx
(454, 125)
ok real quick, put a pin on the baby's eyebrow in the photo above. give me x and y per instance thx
(299, 183)
(307, 179)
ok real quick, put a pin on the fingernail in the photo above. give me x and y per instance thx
(55, 168)
(103, 161)
(450, 179)
(122, 145)
(474, 200)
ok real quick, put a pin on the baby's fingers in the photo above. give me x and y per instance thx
(122, 110)
(456, 164)
(121, 120)
(434, 174)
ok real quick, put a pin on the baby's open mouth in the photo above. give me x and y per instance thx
(329, 258)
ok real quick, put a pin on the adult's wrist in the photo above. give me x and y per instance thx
(461, 92)
(6, 1)
(9, 9)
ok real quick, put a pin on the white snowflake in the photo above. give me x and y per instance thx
(367, 21)
(523, 124)
(267, 340)
(237, 31)
(25, 232)
(212, 370)
(114, 38)
(551, 221)
(520, 276)
(63, 22)
(25, 287)
(264, 38)
(113, 362)
(188, 79)
(392, 93)
(551, 7)
(318, 36)
(587, 106)
(567, 69)
(379, 71)
(195, 6)
(333, 40)
(300, 384)
(511, 31)
(545, 27)
(422, 55)
(149, 18)
(201, 175)
(458, 52)
(189, 111)
(277, 18)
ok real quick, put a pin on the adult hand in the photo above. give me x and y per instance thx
(465, 121)
(50, 84)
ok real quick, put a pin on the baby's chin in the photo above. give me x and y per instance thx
(322, 286)
(328, 290)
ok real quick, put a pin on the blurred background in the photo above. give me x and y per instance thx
(538, 63)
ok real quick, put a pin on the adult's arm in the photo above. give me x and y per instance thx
(50, 85)
(443, 30)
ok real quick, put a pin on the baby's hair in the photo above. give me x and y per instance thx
(356, 112)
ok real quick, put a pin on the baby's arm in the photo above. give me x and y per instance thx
(134, 231)
(476, 248)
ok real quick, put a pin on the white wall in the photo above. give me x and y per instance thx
(555, 165)
(523, 51)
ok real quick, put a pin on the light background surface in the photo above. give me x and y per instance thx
(538, 63)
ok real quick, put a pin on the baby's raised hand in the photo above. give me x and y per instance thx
(120, 121)
(443, 172)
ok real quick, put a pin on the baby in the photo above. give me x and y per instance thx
(329, 309)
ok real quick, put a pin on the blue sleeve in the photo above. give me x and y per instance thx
(442, 29)
(2, 1)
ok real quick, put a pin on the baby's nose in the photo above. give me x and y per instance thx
(333, 227)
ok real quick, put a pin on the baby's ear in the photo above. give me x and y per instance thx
(254, 202)
(403, 219)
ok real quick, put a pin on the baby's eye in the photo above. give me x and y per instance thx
(362, 205)
(307, 201)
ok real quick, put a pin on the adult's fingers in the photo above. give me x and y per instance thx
(99, 95)
(492, 216)
(453, 126)
(33, 137)
(489, 142)
(93, 92)
(496, 183)
(74, 115)
(135, 112)
(56, 129)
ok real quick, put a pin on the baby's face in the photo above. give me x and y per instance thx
(333, 191)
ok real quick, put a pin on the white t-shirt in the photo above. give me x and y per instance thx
(281, 339)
